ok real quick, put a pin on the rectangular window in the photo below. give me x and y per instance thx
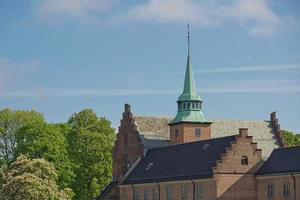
(136, 194)
(176, 133)
(199, 191)
(184, 193)
(169, 192)
(145, 194)
(197, 132)
(286, 190)
(270, 192)
(155, 194)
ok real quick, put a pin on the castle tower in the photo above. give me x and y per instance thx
(189, 123)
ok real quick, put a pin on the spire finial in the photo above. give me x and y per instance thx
(188, 27)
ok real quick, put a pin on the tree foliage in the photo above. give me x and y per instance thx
(80, 151)
(291, 138)
(31, 180)
(10, 124)
(91, 142)
(48, 141)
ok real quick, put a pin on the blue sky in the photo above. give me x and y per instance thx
(61, 56)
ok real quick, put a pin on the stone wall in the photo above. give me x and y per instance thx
(278, 183)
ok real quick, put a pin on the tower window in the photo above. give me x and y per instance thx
(244, 160)
(197, 132)
(176, 132)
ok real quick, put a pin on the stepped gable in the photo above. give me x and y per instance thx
(282, 160)
(262, 132)
(180, 162)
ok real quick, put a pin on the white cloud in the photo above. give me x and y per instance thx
(82, 10)
(256, 14)
(256, 86)
(252, 69)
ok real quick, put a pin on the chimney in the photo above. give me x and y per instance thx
(127, 108)
(273, 116)
(243, 132)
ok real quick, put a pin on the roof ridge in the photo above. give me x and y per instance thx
(291, 147)
(228, 119)
(160, 116)
(189, 143)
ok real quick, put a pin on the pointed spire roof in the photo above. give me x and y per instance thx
(189, 89)
(189, 102)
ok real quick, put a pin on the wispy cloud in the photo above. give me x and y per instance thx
(256, 14)
(252, 69)
(257, 86)
(11, 70)
(81, 10)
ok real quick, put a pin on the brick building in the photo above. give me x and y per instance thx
(190, 157)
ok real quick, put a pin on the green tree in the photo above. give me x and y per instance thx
(48, 141)
(10, 123)
(291, 138)
(91, 142)
(32, 180)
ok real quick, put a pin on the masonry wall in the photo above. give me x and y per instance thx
(233, 179)
(209, 190)
(128, 146)
(278, 183)
(186, 132)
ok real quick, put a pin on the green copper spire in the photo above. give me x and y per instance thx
(189, 102)
(189, 89)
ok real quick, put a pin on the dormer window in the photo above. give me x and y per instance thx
(244, 160)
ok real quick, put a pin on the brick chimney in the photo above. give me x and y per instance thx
(243, 132)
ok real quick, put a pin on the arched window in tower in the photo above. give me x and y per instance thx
(188, 105)
(244, 160)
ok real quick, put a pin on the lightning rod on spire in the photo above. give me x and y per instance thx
(188, 27)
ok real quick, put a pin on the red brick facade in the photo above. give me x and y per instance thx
(232, 179)
(186, 132)
(128, 146)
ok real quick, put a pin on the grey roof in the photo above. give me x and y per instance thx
(282, 160)
(156, 128)
(178, 162)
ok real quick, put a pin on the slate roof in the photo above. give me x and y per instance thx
(157, 128)
(282, 160)
(106, 190)
(180, 162)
